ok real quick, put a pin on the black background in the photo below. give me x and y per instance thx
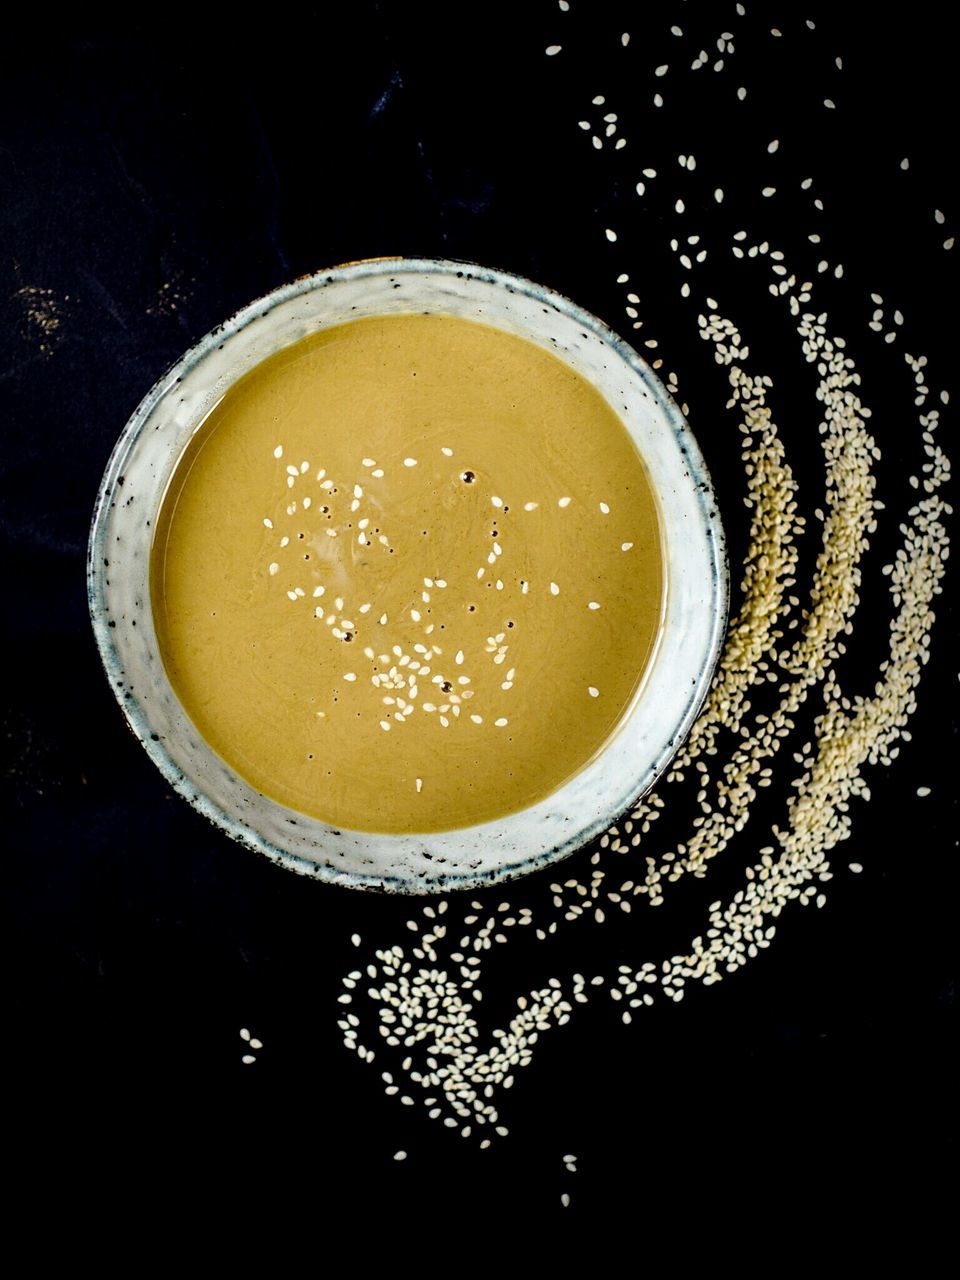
(220, 156)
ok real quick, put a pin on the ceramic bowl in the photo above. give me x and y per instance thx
(676, 681)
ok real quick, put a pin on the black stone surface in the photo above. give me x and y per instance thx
(160, 170)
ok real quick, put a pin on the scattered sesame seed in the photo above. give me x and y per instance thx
(593, 692)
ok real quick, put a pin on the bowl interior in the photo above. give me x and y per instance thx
(676, 680)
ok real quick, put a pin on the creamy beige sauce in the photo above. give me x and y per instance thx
(407, 575)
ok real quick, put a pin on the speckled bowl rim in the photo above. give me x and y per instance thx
(138, 720)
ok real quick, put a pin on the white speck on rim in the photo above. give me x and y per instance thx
(594, 693)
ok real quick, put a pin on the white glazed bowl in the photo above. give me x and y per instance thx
(675, 684)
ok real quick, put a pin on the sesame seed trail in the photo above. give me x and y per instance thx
(777, 714)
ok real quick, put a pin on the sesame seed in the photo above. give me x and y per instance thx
(593, 692)
(554, 589)
(409, 462)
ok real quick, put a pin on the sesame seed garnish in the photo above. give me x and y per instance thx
(592, 604)
(530, 506)
(554, 589)
(448, 453)
(500, 722)
(563, 502)
(593, 692)
(419, 785)
(267, 523)
(274, 568)
(278, 451)
(496, 502)
(409, 462)
(350, 675)
(604, 508)
(626, 546)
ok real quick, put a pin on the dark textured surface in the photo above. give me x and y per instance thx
(155, 179)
